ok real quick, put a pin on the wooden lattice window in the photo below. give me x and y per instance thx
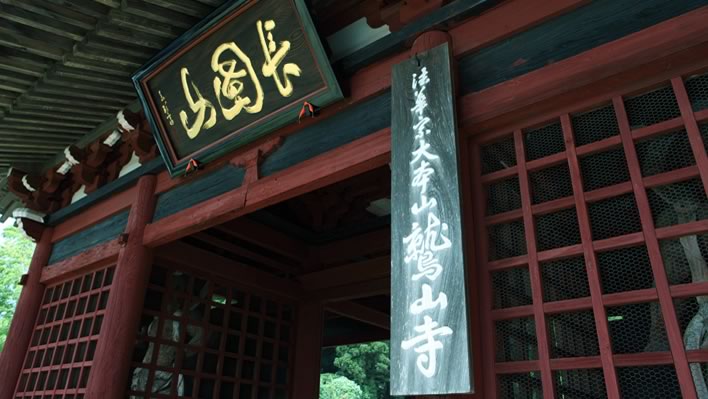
(64, 340)
(593, 249)
(217, 340)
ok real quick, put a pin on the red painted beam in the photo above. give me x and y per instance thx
(492, 26)
(506, 20)
(637, 49)
(114, 204)
(20, 332)
(92, 259)
(346, 161)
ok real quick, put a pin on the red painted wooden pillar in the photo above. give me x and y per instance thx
(308, 352)
(18, 337)
(114, 351)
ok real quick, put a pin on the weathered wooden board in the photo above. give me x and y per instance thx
(100, 232)
(201, 189)
(597, 23)
(241, 74)
(430, 350)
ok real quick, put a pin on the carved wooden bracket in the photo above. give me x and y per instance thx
(30, 221)
(32, 229)
(141, 141)
(16, 186)
(98, 163)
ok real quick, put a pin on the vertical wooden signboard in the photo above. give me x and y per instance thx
(430, 352)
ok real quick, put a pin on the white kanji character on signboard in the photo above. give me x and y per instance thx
(426, 345)
(423, 151)
(426, 301)
(414, 243)
(432, 233)
(421, 175)
(428, 266)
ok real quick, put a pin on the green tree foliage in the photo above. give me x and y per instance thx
(367, 365)
(334, 386)
(15, 255)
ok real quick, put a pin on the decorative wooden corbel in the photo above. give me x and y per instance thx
(122, 152)
(413, 9)
(128, 121)
(17, 186)
(397, 14)
(96, 153)
(53, 181)
(30, 222)
(378, 14)
(143, 142)
(83, 173)
(253, 157)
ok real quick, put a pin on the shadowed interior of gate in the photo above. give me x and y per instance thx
(220, 309)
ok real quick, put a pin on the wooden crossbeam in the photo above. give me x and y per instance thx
(88, 76)
(34, 128)
(188, 256)
(53, 107)
(80, 62)
(71, 136)
(374, 242)
(39, 22)
(264, 236)
(73, 103)
(35, 120)
(184, 6)
(246, 253)
(87, 93)
(160, 14)
(351, 273)
(364, 314)
(54, 11)
(37, 47)
(350, 281)
(56, 115)
(128, 36)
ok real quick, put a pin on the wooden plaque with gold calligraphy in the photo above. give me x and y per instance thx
(243, 72)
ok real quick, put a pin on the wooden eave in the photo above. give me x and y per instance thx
(65, 68)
